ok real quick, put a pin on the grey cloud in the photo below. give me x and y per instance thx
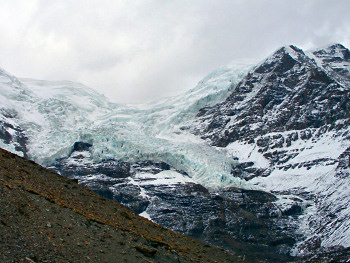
(135, 51)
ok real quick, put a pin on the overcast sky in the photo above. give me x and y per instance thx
(136, 51)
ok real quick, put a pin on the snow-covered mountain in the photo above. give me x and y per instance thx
(288, 121)
(254, 159)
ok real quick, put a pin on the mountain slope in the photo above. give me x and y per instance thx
(254, 159)
(46, 217)
(138, 156)
(288, 91)
(288, 119)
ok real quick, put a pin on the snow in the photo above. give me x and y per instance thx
(56, 114)
(163, 178)
(337, 67)
(145, 215)
(143, 192)
(327, 193)
(11, 148)
(291, 51)
(80, 158)
(247, 153)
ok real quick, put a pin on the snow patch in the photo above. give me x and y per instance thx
(167, 178)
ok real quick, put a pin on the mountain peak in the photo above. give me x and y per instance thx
(335, 60)
(292, 80)
(337, 46)
(335, 50)
(282, 60)
(287, 123)
(291, 50)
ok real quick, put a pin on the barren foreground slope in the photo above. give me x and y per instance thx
(45, 217)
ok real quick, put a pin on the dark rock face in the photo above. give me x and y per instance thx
(335, 59)
(288, 91)
(235, 219)
(4, 134)
(10, 133)
(290, 110)
(80, 163)
(241, 221)
(81, 146)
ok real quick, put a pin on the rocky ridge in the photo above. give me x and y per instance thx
(289, 91)
(287, 123)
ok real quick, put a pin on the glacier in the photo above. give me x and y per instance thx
(56, 114)
(307, 173)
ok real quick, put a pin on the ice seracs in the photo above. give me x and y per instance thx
(57, 114)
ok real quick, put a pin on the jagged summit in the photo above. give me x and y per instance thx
(338, 51)
(285, 92)
(290, 50)
(282, 60)
(291, 115)
(335, 60)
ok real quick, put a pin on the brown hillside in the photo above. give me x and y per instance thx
(45, 217)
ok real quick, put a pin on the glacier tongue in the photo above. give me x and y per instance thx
(153, 132)
(57, 114)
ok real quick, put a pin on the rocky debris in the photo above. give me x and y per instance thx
(45, 217)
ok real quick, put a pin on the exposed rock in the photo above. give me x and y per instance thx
(240, 221)
(10, 133)
(291, 113)
(48, 218)
(285, 124)
(81, 146)
(286, 92)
